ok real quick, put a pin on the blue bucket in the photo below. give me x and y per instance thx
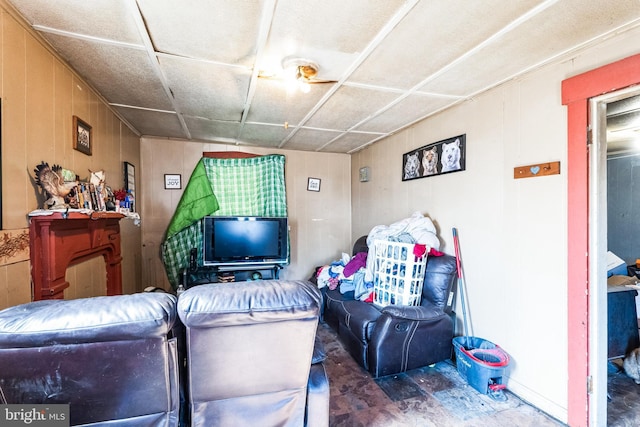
(481, 363)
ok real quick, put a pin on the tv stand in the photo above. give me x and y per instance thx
(235, 273)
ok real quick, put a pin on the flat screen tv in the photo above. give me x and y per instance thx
(245, 241)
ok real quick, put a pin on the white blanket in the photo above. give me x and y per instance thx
(419, 227)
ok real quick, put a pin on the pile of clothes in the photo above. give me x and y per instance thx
(355, 274)
(349, 275)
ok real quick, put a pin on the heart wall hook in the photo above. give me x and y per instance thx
(540, 169)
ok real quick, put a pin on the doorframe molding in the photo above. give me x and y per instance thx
(576, 92)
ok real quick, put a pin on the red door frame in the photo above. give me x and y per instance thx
(576, 92)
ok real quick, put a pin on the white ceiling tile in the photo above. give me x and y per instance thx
(223, 30)
(120, 74)
(105, 19)
(153, 123)
(349, 106)
(560, 27)
(331, 33)
(275, 103)
(206, 90)
(334, 25)
(263, 135)
(210, 130)
(310, 139)
(350, 141)
(409, 110)
(432, 36)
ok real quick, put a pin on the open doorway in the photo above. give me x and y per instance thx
(613, 326)
(585, 405)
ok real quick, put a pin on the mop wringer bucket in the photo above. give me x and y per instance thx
(481, 363)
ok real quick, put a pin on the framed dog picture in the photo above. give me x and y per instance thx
(446, 156)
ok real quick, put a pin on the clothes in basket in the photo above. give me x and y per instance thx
(398, 273)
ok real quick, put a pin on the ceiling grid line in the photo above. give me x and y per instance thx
(503, 31)
(85, 37)
(379, 37)
(263, 36)
(136, 14)
(635, 22)
(209, 71)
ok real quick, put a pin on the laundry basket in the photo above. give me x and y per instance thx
(397, 273)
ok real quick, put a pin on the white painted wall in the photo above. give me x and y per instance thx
(512, 231)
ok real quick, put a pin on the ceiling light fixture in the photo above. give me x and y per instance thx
(300, 72)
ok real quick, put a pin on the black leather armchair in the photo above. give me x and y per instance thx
(113, 359)
(252, 354)
(398, 338)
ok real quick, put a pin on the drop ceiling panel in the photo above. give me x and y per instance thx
(223, 31)
(435, 34)
(408, 110)
(562, 26)
(205, 89)
(153, 123)
(350, 141)
(120, 74)
(331, 33)
(269, 136)
(106, 19)
(335, 25)
(274, 103)
(210, 130)
(310, 139)
(348, 106)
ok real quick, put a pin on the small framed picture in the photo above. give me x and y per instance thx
(172, 181)
(130, 181)
(130, 177)
(364, 174)
(313, 184)
(82, 139)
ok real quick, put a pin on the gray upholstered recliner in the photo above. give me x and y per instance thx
(113, 359)
(250, 348)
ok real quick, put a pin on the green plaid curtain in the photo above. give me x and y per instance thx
(249, 186)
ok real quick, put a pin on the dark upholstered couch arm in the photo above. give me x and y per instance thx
(413, 313)
(439, 287)
(405, 338)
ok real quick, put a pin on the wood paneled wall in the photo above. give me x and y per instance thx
(40, 94)
(320, 222)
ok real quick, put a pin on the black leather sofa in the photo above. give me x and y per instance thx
(251, 350)
(113, 359)
(395, 339)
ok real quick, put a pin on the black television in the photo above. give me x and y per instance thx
(245, 241)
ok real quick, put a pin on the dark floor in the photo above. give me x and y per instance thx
(623, 408)
(438, 396)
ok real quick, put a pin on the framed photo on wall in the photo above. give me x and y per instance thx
(172, 181)
(313, 184)
(82, 138)
(446, 156)
(130, 178)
